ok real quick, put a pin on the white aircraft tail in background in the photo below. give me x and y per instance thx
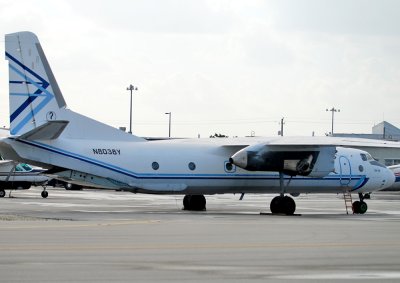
(86, 152)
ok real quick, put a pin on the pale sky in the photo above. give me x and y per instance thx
(231, 67)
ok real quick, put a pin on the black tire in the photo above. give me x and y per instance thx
(186, 202)
(2, 193)
(288, 205)
(276, 205)
(363, 207)
(198, 202)
(44, 194)
(194, 202)
(356, 207)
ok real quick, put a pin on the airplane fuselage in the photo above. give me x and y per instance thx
(189, 166)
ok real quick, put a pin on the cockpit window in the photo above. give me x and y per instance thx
(26, 167)
(23, 167)
(18, 168)
(366, 156)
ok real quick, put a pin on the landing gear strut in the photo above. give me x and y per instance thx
(194, 202)
(360, 207)
(282, 204)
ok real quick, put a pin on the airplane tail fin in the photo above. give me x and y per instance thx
(36, 99)
(35, 96)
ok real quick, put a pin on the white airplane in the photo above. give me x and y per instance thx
(14, 176)
(396, 171)
(20, 176)
(89, 153)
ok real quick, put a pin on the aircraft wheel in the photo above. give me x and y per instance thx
(356, 207)
(186, 202)
(198, 202)
(285, 205)
(45, 194)
(194, 202)
(2, 193)
(288, 205)
(276, 204)
(363, 207)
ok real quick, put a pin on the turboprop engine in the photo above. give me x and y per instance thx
(305, 161)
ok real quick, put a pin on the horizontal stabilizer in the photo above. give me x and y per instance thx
(49, 131)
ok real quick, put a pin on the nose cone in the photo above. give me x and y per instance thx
(239, 159)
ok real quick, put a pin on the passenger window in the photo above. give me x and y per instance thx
(192, 166)
(155, 165)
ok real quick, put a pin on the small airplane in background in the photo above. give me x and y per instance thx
(20, 176)
(83, 151)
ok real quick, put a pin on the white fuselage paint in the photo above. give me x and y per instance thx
(128, 165)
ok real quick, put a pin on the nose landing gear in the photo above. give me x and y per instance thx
(360, 207)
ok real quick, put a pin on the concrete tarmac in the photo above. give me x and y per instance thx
(107, 236)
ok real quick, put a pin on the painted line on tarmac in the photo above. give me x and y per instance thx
(189, 246)
(69, 225)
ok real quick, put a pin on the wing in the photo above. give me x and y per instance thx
(314, 160)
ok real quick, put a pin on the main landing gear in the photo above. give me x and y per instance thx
(194, 202)
(282, 204)
(44, 193)
(361, 207)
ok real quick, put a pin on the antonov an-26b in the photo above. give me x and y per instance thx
(80, 150)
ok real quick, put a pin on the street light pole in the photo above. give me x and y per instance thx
(333, 110)
(282, 123)
(131, 88)
(169, 124)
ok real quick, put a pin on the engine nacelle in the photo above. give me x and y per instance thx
(311, 161)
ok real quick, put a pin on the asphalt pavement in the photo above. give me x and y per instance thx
(108, 236)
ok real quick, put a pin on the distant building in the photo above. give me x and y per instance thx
(381, 131)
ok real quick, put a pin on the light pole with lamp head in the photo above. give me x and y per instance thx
(169, 124)
(131, 88)
(333, 110)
